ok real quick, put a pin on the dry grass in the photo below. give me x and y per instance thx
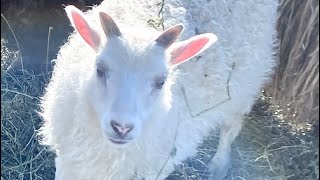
(295, 86)
(7, 57)
(21, 155)
(264, 150)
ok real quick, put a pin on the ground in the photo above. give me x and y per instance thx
(265, 149)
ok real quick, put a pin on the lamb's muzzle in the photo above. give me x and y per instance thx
(121, 130)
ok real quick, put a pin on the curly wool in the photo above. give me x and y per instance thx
(246, 40)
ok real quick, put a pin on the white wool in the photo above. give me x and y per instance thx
(245, 29)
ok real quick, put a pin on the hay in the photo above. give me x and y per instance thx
(265, 149)
(295, 86)
(21, 155)
(7, 57)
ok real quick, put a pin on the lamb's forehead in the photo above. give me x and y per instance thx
(131, 53)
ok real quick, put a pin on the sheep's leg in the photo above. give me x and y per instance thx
(219, 164)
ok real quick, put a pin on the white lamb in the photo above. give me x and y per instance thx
(116, 108)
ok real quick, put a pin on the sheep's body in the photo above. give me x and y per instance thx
(245, 32)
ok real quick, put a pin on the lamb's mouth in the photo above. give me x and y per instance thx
(119, 141)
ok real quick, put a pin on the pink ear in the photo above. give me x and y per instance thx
(84, 28)
(182, 51)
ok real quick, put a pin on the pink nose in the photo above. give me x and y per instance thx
(120, 129)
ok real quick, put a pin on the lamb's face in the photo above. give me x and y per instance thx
(130, 79)
(130, 86)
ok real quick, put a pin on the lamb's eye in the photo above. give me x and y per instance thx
(159, 83)
(100, 72)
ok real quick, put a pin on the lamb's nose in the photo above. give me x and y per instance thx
(120, 129)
